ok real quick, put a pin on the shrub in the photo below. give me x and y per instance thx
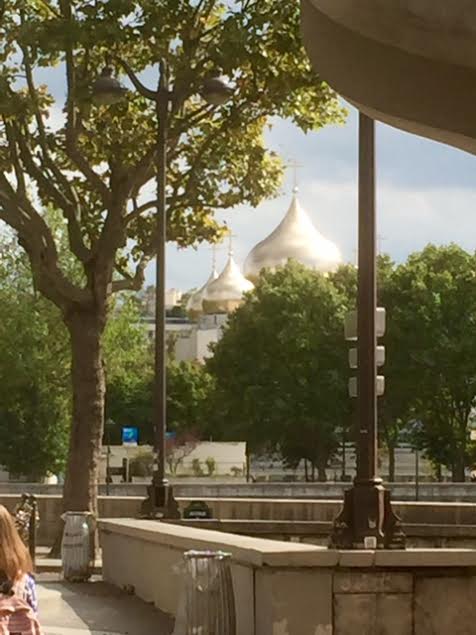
(197, 468)
(142, 464)
(211, 465)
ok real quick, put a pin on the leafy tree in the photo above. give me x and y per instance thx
(129, 371)
(189, 386)
(96, 164)
(394, 407)
(129, 395)
(281, 366)
(34, 366)
(433, 317)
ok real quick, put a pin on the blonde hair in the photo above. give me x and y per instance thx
(15, 560)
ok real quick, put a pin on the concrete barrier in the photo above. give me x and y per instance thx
(297, 589)
(418, 535)
(209, 488)
(250, 509)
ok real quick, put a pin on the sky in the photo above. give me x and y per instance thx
(426, 192)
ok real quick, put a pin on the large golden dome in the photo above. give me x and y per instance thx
(194, 305)
(294, 238)
(225, 294)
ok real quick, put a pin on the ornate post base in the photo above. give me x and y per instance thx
(367, 513)
(160, 502)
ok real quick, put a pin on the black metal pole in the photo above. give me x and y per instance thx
(366, 308)
(367, 519)
(161, 503)
(344, 440)
(160, 414)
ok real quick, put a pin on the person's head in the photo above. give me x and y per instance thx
(15, 559)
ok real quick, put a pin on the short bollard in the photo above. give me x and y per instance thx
(26, 520)
(76, 546)
(209, 597)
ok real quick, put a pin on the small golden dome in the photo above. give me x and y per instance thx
(225, 294)
(194, 305)
(294, 238)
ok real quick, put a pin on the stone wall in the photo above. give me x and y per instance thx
(429, 524)
(235, 488)
(289, 589)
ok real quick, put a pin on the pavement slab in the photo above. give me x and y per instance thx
(95, 608)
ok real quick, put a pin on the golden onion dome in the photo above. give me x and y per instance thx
(225, 294)
(194, 306)
(294, 238)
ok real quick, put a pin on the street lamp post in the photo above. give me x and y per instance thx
(367, 519)
(107, 90)
(160, 501)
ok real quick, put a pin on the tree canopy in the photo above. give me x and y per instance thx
(94, 162)
(281, 366)
(433, 312)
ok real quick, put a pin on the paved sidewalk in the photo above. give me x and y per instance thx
(95, 608)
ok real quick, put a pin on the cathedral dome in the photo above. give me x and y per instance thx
(194, 305)
(294, 238)
(225, 294)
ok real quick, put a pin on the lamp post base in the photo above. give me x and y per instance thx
(160, 502)
(367, 520)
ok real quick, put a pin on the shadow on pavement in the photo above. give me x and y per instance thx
(96, 607)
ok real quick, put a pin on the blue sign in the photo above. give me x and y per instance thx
(130, 436)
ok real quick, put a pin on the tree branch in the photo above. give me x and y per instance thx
(138, 85)
(47, 185)
(72, 130)
(142, 173)
(13, 149)
(70, 204)
(133, 282)
(35, 236)
(138, 210)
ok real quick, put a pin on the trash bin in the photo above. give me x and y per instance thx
(209, 600)
(76, 547)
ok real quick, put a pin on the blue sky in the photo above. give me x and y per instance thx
(426, 192)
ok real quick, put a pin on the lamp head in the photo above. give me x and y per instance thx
(106, 89)
(216, 91)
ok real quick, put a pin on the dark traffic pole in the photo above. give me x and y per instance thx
(366, 519)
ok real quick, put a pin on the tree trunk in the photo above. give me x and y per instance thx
(321, 472)
(313, 472)
(439, 473)
(458, 472)
(306, 471)
(81, 481)
(391, 463)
